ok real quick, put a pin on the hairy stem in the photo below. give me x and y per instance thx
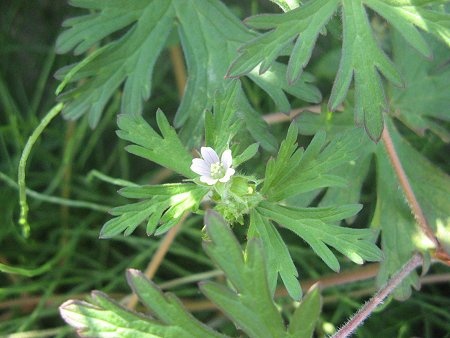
(406, 186)
(359, 317)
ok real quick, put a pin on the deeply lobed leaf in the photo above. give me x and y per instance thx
(249, 304)
(361, 58)
(313, 225)
(166, 149)
(295, 171)
(209, 34)
(162, 208)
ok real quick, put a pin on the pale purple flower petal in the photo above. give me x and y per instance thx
(212, 169)
(208, 180)
(226, 159)
(209, 155)
(199, 166)
(230, 172)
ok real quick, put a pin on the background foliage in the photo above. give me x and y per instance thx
(71, 169)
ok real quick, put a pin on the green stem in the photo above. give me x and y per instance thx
(57, 200)
(23, 220)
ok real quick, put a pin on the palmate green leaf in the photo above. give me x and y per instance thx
(361, 58)
(317, 227)
(209, 33)
(104, 317)
(165, 149)
(400, 236)
(249, 304)
(275, 85)
(163, 204)
(425, 101)
(308, 21)
(418, 13)
(167, 307)
(129, 60)
(296, 171)
(355, 170)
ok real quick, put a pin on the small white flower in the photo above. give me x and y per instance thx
(210, 168)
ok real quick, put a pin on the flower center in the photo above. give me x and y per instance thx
(217, 171)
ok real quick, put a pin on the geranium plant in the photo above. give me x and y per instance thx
(279, 181)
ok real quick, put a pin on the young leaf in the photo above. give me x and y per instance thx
(247, 154)
(163, 204)
(315, 226)
(295, 171)
(251, 306)
(165, 149)
(221, 126)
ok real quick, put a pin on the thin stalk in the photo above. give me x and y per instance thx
(280, 117)
(111, 180)
(191, 279)
(159, 255)
(40, 333)
(342, 278)
(23, 220)
(362, 314)
(197, 305)
(56, 200)
(67, 173)
(179, 69)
